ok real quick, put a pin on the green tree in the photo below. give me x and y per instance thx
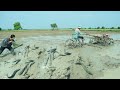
(0, 29)
(102, 27)
(112, 28)
(118, 27)
(54, 26)
(17, 26)
(98, 27)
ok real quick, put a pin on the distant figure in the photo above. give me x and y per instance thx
(7, 43)
(106, 35)
(78, 34)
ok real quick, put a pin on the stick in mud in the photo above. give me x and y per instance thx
(28, 68)
(84, 67)
(46, 61)
(27, 51)
(18, 46)
(23, 69)
(13, 73)
(17, 61)
(50, 57)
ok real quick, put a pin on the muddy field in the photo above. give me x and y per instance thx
(26, 33)
(35, 60)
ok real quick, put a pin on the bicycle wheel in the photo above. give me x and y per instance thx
(70, 43)
(79, 43)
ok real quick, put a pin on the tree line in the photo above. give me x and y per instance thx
(103, 28)
(17, 26)
(54, 26)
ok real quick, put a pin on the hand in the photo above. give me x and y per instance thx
(10, 41)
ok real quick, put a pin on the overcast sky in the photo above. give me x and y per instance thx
(64, 19)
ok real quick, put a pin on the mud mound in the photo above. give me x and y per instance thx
(45, 59)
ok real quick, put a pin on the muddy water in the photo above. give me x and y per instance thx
(56, 39)
(63, 38)
(115, 36)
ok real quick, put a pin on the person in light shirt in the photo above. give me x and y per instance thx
(78, 34)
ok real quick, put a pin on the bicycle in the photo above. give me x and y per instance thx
(73, 42)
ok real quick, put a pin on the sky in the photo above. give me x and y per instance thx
(64, 19)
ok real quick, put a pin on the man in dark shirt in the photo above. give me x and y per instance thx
(7, 43)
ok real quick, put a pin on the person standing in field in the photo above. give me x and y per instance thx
(7, 43)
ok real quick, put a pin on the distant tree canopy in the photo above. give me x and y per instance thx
(112, 28)
(98, 27)
(0, 29)
(9, 29)
(118, 27)
(54, 26)
(102, 27)
(17, 26)
(89, 28)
